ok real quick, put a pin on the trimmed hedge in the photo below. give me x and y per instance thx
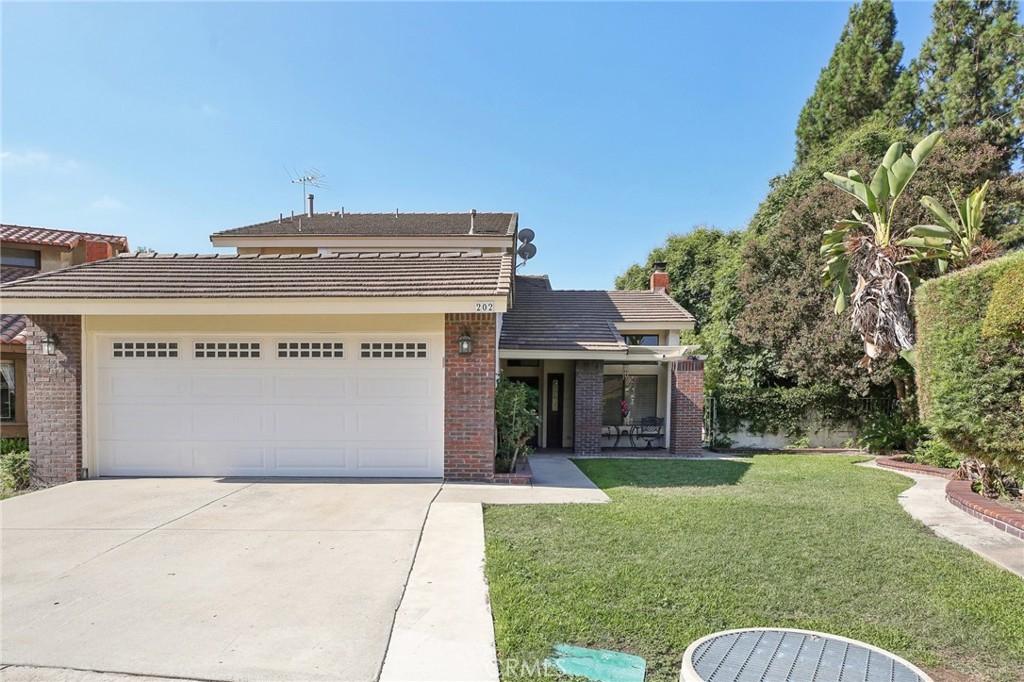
(970, 360)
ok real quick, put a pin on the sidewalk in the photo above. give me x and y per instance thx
(926, 502)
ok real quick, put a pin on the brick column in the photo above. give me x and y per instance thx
(54, 388)
(687, 378)
(469, 397)
(589, 412)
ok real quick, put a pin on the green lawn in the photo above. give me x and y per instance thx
(687, 548)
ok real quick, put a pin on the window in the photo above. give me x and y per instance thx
(393, 349)
(310, 349)
(642, 340)
(19, 258)
(145, 349)
(227, 349)
(523, 363)
(7, 388)
(639, 393)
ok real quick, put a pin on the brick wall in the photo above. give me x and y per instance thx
(469, 397)
(686, 426)
(589, 407)
(98, 250)
(54, 388)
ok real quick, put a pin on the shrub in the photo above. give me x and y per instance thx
(516, 416)
(887, 433)
(935, 453)
(12, 445)
(15, 470)
(783, 410)
(970, 361)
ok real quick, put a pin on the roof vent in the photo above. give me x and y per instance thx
(309, 211)
(472, 220)
(396, 212)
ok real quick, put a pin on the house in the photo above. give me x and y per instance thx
(27, 251)
(338, 344)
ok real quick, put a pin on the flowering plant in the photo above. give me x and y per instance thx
(624, 406)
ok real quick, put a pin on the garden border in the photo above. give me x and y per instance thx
(960, 495)
(522, 476)
(894, 462)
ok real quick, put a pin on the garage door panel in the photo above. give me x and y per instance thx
(326, 459)
(248, 389)
(270, 415)
(303, 388)
(391, 456)
(227, 421)
(213, 459)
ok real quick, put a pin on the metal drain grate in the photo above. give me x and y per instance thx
(776, 655)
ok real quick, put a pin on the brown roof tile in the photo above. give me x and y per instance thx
(9, 273)
(547, 319)
(12, 328)
(287, 276)
(381, 225)
(45, 236)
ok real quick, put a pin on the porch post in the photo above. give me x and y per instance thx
(589, 412)
(687, 408)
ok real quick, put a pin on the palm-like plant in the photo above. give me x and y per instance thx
(953, 242)
(870, 247)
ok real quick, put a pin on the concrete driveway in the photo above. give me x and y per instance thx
(218, 579)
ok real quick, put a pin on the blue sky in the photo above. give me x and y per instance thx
(606, 126)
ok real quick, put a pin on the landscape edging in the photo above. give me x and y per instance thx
(893, 462)
(960, 495)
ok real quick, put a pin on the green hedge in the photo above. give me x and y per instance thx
(783, 410)
(970, 360)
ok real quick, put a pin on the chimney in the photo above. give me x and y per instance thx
(472, 220)
(659, 278)
(98, 250)
(309, 211)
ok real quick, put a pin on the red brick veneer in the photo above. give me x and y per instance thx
(469, 397)
(687, 423)
(589, 407)
(960, 495)
(894, 462)
(54, 397)
(522, 476)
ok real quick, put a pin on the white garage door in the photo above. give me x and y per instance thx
(258, 405)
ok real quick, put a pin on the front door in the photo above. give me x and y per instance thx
(555, 402)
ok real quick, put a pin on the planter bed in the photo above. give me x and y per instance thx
(523, 475)
(897, 462)
(960, 495)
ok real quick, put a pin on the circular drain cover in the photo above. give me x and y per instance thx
(784, 655)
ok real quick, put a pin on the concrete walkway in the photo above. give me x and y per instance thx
(443, 630)
(926, 502)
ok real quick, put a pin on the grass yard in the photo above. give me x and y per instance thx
(687, 548)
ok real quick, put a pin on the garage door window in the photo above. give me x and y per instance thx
(310, 349)
(227, 349)
(393, 349)
(145, 349)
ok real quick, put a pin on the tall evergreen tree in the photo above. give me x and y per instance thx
(971, 72)
(858, 79)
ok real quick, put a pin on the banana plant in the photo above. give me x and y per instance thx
(957, 242)
(867, 246)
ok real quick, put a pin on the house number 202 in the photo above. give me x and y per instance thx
(484, 307)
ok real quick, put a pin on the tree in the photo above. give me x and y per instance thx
(868, 245)
(692, 260)
(516, 417)
(970, 72)
(959, 242)
(858, 80)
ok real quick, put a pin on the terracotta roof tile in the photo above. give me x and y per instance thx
(12, 329)
(45, 236)
(272, 276)
(543, 318)
(381, 225)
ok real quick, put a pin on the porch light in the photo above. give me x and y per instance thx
(465, 343)
(49, 344)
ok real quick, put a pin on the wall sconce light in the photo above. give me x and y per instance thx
(49, 344)
(465, 343)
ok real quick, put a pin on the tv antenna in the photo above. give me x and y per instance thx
(312, 177)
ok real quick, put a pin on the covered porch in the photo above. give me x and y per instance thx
(638, 400)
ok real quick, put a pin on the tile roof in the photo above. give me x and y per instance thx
(45, 236)
(550, 319)
(12, 328)
(9, 273)
(273, 276)
(381, 225)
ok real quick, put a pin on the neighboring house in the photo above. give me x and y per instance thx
(27, 251)
(337, 344)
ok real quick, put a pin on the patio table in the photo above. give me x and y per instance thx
(786, 655)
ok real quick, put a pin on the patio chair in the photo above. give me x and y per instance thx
(650, 429)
